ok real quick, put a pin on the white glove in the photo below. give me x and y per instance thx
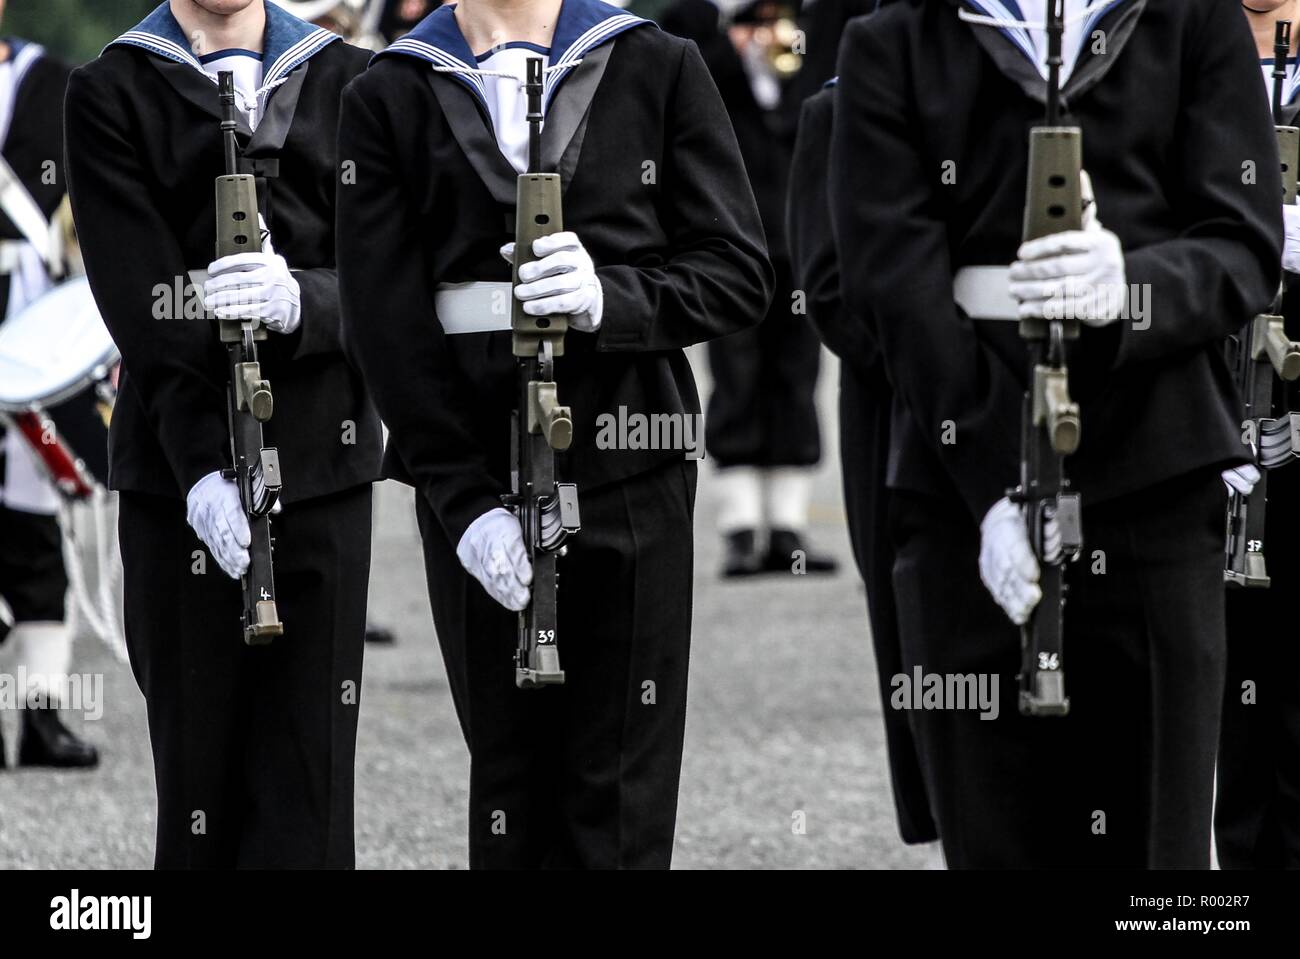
(562, 281)
(254, 286)
(214, 511)
(1241, 479)
(492, 551)
(1291, 249)
(1078, 274)
(1008, 566)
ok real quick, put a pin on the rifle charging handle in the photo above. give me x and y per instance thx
(548, 417)
(1054, 409)
(255, 392)
(1271, 339)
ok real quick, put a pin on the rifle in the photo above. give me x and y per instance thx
(539, 425)
(1261, 354)
(1049, 418)
(249, 402)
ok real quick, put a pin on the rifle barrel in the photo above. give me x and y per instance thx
(226, 91)
(1055, 27)
(533, 86)
(1281, 52)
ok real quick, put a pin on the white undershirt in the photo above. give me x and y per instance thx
(507, 102)
(247, 69)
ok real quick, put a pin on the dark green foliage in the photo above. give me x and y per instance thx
(75, 30)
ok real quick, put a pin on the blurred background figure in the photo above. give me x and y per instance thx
(761, 426)
(357, 21)
(398, 16)
(33, 578)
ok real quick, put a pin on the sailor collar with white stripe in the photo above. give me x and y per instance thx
(1019, 32)
(1012, 49)
(582, 26)
(287, 43)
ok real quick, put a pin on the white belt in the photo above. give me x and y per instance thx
(474, 307)
(984, 293)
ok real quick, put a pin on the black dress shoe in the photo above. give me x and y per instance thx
(380, 635)
(788, 553)
(740, 554)
(45, 741)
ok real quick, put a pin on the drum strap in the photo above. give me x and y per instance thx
(19, 206)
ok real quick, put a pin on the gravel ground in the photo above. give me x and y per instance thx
(784, 725)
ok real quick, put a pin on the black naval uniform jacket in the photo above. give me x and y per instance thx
(1174, 121)
(143, 150)
(865, 401)
(823, 23)
(812, 243)
(654, 188)
(35, 137)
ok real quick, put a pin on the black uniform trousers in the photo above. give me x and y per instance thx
(762, 410)
(1257, 812)
(33, 580)
(864, 453)
(1126, 779)
(582, 775)
(253, 746)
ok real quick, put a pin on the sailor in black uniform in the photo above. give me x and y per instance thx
(253, 746)
(928, 188)
(663, 248)
(865, 401)
(33, 580)
(1257, 806)
(761, 429)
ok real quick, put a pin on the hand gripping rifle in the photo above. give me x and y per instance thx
(249, 403)
(1261, 354)
(547, 510)
(1049, 418)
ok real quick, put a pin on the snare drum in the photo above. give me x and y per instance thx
(56, 384)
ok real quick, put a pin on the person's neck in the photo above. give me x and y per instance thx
(209, 32)
(4, 52)
(1264, 26)
(490, 23)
